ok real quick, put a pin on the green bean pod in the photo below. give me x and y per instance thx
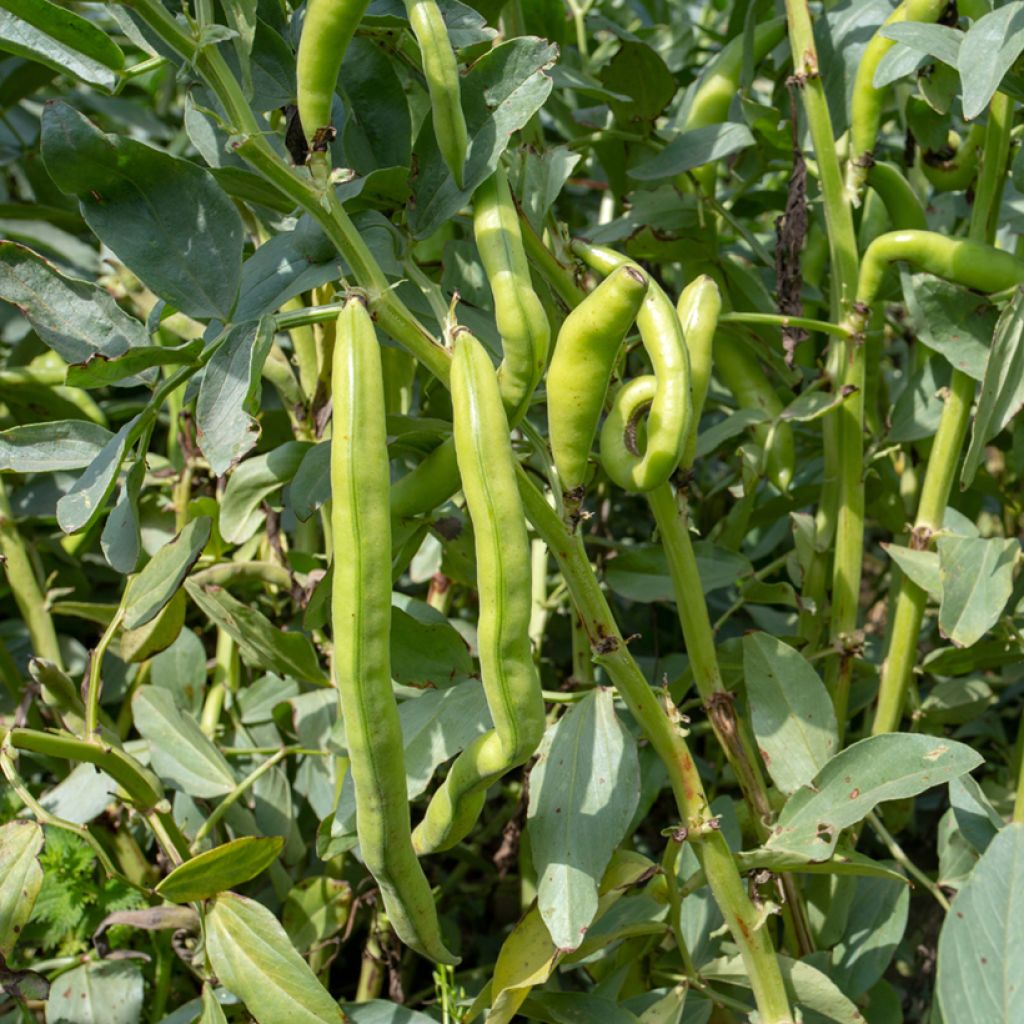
(441, 71)
(522, 323)
(585, 354)
(670, 412)
(507, 669)
(361, 624)
(326, 32)
(900, 200)
(956, 171)
(698, 308)
(971, 264)
(719, 84)
(866, 101)
(430, 484)
(739, 370)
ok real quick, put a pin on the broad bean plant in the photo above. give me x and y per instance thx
(510, 510)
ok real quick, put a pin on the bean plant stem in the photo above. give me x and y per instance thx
(28, 595)
(841, 509)
(671, 518)
(944, 459)
(666, 738)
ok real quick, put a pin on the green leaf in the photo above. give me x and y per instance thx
(259, 641)
(121, 540)
(938, 41)
(377, 1011)
(181, 670)
(981, 946)
(694, 148)
(988, 50)
(229, 395)
(52, 446)
(180, 753)
(500, 93)
(977, 580)
(159, 581)
(251, 484)
(222, 868)
(790, 709)
(75, 318)
(574, 1008)
(315, 910)
(60, 39)
(158, 633)
(921, 567)
(977, 819)
(20, 878)
(101, 370)
(733, 425)
(808, 987)
(949, 319)
(955, 701)
(88, 497)
(99, 992)
(874, 928)
(164, 217)
(426, 650)
(311, 486)
(857, 779)
(640, 75)
(583, 792)
(212, 1011)
(1002, 390)
(252, 955)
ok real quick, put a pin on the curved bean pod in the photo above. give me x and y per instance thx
(698, 308)
(866, 100)
(361, 624)
(955, 172)
(971, 264)
(326, 33)
(900, 200)
(522, 323)
(507, 669)
(441, 71)
(671, 409)
(585, 354)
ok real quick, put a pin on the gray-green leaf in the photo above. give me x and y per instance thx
(20, 878)
(791, 711)
(977, 580)
(857, 779)
(583, 791)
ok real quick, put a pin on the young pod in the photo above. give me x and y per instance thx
(361, 624)
(441, 71)
(326, 32)
(521, 320)
(507, 669)
(585, 355)
(698, 307)
(668, 418)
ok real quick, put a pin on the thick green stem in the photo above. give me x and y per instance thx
(28, 595)
(842, 500)
(666, 737)
(908, 612)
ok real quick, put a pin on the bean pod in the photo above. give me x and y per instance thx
(361, 623)
(507, 669)
(441, 71)
(698, 308)
(866, 100)
(668, 418)
(521, 320)
(326, 32)
(585, 354)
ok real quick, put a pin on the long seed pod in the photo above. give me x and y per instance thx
(668, 419)
(866, 100)
(326, 33)
(361, 623)
(585, 354)
(441, 71)
(507, 669)
(698, 308)
(521, 320)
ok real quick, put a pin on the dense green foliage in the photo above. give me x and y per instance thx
(538, 541)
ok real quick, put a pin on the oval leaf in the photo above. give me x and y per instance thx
(253, 956)
(220, 869)
(20, 878)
